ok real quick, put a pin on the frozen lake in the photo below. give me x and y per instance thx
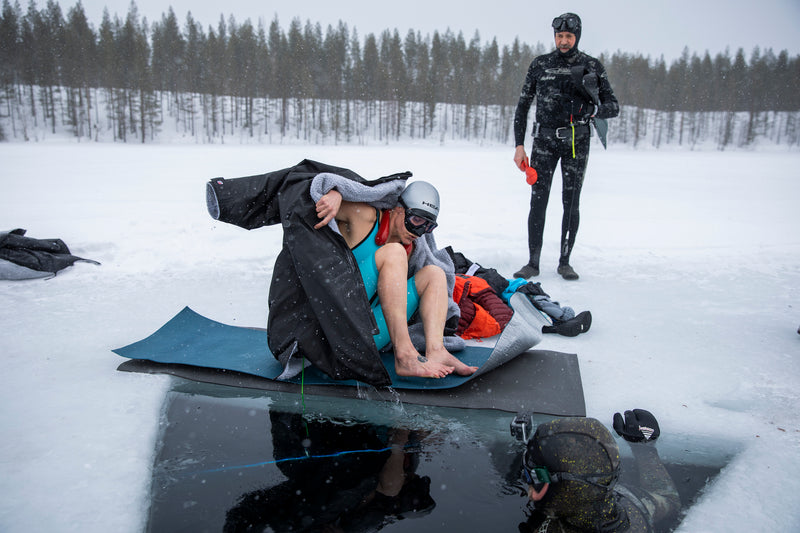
(689, 262)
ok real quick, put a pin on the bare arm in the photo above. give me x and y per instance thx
(520, 156)
(354, 220)
(331, 206)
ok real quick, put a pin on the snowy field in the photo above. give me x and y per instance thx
(689, 262)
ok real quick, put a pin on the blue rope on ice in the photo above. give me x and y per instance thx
(300, 458)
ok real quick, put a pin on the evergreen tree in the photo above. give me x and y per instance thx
(134, 94)
(10, 40)
(438, 77)
(336, 65)
(168, 53)
(371, 70)
(106, 52)
(79, 70)
(397, 81)
(10, 61)
(193, 70)
(245, 63)
(355, 89)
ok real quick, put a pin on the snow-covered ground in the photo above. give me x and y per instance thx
(689, 262)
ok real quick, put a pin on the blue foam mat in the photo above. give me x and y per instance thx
(192, 339)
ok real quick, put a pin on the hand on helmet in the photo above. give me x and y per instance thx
(637, 426)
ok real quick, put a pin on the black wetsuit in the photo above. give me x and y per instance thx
(560, 104)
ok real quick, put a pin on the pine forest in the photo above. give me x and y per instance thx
(134, 80)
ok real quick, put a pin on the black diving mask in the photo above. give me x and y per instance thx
(568, 23)
(537, 476)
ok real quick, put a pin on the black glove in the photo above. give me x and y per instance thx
(639, 425)
(587, 111)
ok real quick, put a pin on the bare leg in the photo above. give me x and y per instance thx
(392, 262)
(432, 288)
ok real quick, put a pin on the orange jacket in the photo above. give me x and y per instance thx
(483, 313)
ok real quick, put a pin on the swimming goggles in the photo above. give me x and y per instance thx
(417, 223)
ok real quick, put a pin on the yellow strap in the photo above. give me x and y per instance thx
(573, 139)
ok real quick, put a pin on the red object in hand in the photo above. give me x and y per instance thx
(530, 173)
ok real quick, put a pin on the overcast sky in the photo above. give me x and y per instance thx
(652, 28)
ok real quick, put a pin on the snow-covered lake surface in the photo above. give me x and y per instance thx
(689, 262)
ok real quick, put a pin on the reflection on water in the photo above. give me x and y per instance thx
(241, 460)
(346, 476)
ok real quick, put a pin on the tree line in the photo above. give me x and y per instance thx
(132, 78)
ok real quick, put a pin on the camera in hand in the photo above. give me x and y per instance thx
(522, 427)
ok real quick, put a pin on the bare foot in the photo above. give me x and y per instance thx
(415, 365)
(442, 356)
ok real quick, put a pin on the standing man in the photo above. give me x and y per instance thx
(571, 89)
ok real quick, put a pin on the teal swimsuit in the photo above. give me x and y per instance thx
(364, 253)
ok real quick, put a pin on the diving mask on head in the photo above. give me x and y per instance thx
(568, 23)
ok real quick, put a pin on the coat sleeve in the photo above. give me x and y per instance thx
(247, 202)
(251, 202)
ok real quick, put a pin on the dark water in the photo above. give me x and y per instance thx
(239, 460)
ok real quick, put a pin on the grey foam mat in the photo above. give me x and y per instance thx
(541, 381)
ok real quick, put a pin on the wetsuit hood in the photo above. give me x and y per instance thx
(572, 23)
(582, 448)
